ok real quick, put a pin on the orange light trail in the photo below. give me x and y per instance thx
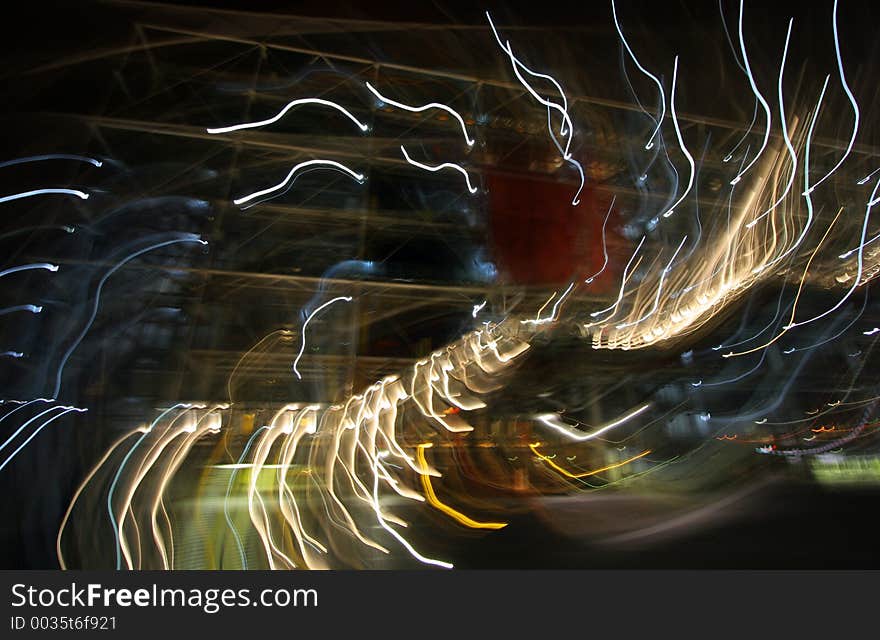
(534, 448)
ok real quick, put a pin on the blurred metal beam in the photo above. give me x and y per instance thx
(590, 100)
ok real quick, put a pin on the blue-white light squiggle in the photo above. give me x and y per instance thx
(622, 283)
(758, 96)
(51, 156)
(66, 409)
(650, 75)
(663, 275)
(566, 128)
(21, 307)
(604, 246)
(42, 192)
(29, 267)
(849, 95)
(684, 150)
(97, 302)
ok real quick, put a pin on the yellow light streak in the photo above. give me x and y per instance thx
(445, 508)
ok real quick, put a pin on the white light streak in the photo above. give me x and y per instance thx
(622, 283)
(415, 554)
(22, 307)
(79, 491)
(431, 105)
(97, 302)
(41, 192)
(332, 164)
(563, 129)
(807, 191)
(51, 156)
(684, 150)
(446, 165)
(852, 100)
(663, 275)
(290, 105)
(604, 246)
(868, 177)
(844, 256)
(29, 267)
(566, 129)
(552, 421)
(785, 136)
(23, 404)
(302, 345)
(577, 165)
(66, 409)
(552, 317)
(760, 98)
(729, 156)
(858, 277)
(647, 73)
